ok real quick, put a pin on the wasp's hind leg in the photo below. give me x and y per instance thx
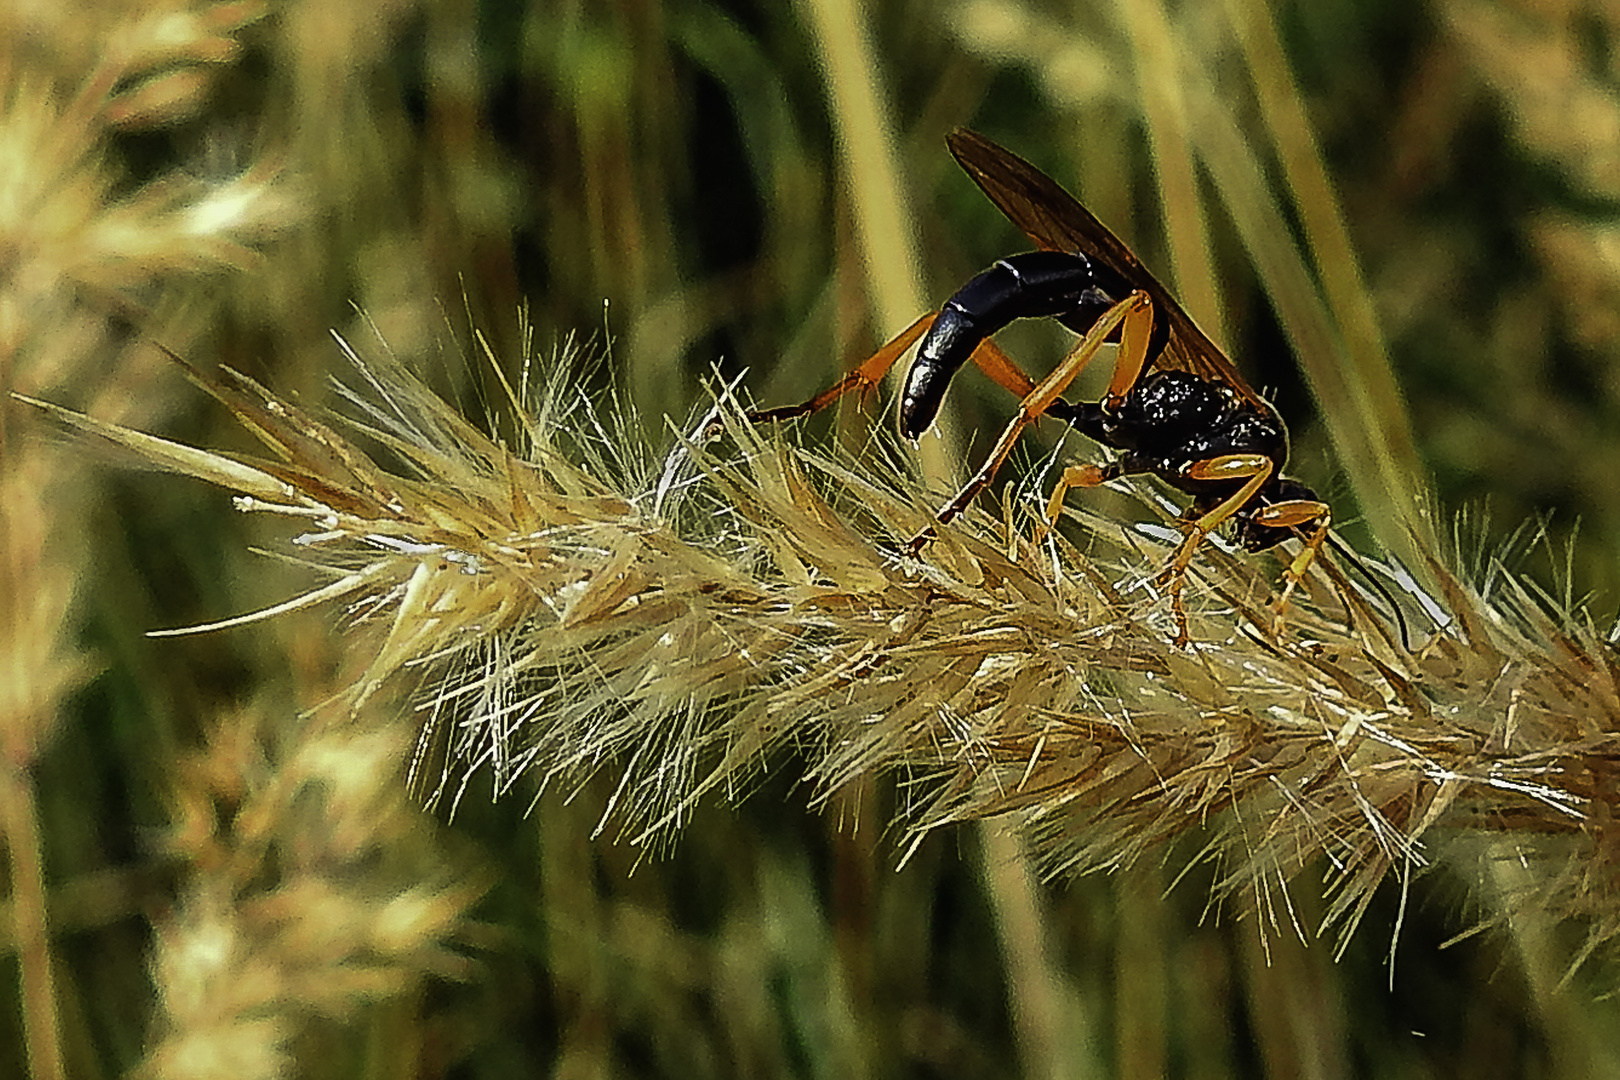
(863, 378)
(988, 357)
(1135, 308)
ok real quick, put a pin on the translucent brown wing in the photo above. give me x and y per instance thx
(1055, 220)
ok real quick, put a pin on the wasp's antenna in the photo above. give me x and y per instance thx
(1355, 560)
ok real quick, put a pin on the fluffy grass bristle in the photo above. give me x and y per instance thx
(571, 601)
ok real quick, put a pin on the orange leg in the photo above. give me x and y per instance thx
(1257, 468)
(868, 375)
(995, 363)
(1134, 308)
(988, 357)
(1074, 476)
(1289, 514)
(1134, 336)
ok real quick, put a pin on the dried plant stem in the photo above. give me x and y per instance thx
(1368, 377)
(1041, 999)
(1186, 225)
(19, 824)
(867, 145)
(885, 224)
(887, 234)
(40, 666)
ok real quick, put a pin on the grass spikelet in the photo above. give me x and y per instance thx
(308, 889)
(167, 58)
(58, 199)
(572, 602)
(1545, 68)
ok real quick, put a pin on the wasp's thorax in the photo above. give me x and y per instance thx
(1173, 420)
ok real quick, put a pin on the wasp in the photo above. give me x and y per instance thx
(1175, 407)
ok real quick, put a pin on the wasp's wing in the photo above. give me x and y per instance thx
(1055, 220)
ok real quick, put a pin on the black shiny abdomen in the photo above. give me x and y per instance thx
(1068, 287)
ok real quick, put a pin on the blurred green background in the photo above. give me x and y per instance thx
(763, 188)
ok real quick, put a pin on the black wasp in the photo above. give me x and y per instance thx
(1175, 406)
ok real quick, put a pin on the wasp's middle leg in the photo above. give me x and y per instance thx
(1073, 476)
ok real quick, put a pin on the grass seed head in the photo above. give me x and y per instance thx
(571, 601)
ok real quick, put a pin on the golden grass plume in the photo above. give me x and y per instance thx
(571, 600)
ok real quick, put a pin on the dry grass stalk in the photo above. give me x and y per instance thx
(578, 603)
(40, 665)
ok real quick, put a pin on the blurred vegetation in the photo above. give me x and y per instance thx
(733, 188)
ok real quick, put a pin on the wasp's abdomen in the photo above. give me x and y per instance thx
(1036, 284)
